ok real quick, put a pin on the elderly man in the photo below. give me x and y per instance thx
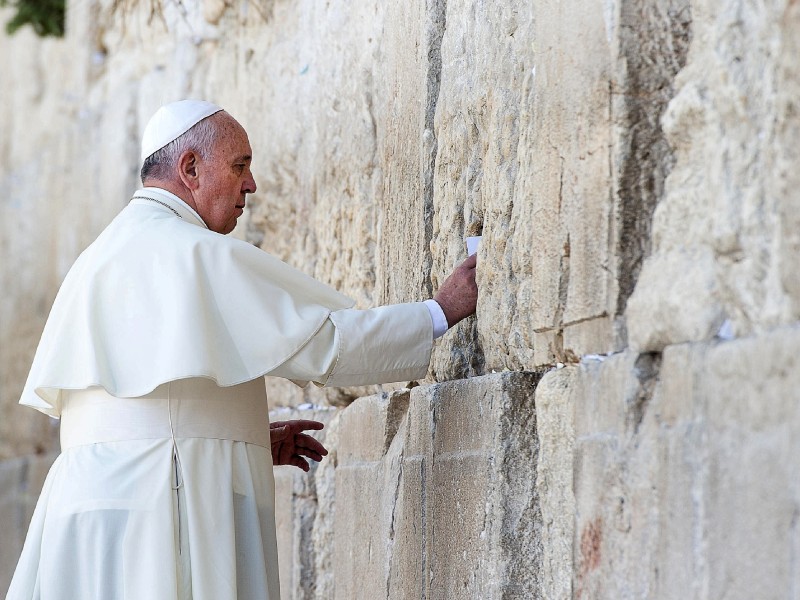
(154, 356)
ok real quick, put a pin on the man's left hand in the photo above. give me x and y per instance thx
(290, 444)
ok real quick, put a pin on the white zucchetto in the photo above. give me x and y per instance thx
(173, 120)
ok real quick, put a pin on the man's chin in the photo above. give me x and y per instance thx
(231, 227)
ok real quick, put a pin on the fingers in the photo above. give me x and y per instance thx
(471, 262)
(315, 456)
(290, 448)
(298, 424)
(308, 443)
(300, 463)
(458, 295)
(280, 430)
(303, 424)
(286, 455)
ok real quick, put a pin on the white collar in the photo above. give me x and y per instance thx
(168, 200)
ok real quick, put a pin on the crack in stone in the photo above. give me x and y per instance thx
(390, 542)
(646, 369)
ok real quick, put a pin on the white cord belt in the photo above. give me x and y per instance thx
(187, 408)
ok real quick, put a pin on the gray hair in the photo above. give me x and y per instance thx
(200, 138)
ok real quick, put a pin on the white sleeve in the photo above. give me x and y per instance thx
(440, 325)
(363, 347)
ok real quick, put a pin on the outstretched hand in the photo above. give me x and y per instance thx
(290, 444)
(458, 295)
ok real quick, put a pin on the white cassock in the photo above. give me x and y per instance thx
(153, 357)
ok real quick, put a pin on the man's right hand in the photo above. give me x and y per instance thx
(290, 445)
(458, 295)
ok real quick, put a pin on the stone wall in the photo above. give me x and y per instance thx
(632, 166)
(423, 496)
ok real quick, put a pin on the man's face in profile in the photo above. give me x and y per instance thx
(225, 177)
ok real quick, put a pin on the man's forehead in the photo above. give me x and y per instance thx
(232, 137)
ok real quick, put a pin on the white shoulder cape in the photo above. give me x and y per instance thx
(159, 297)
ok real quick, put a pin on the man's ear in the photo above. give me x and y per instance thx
(188, 169)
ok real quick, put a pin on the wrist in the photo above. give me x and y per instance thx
(438, 317)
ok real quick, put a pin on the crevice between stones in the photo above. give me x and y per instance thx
(436, 23)
(654, 42)
(646, 369)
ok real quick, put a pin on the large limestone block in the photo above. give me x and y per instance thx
(615, 464)
(554, 472)
(467, 508)
(652, 41)
(410, 66)
(684, 476)
(730, 196)
(750, 392)
(368, 473)
(524, 135)
(435, 497)
(483, 87)
(787, 181)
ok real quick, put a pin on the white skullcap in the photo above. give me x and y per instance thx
(173, 120)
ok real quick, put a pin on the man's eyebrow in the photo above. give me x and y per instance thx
(243, 158)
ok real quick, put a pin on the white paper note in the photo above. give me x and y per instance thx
(472, 244)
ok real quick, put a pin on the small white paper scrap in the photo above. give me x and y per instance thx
(726, 331)
(472, 244)
(598, 357)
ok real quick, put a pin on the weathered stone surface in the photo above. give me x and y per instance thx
(751, 484)
(556, 432)
(661, 312)
(731, 183)
(436, 496)
(785, 152)
(615, 502)
(679, 488)
(456, 500)
(368, 472)
(592, 159)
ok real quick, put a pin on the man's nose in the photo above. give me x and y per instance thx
(250, 186)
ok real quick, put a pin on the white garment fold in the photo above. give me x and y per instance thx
(110, 526)
(158, 298)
